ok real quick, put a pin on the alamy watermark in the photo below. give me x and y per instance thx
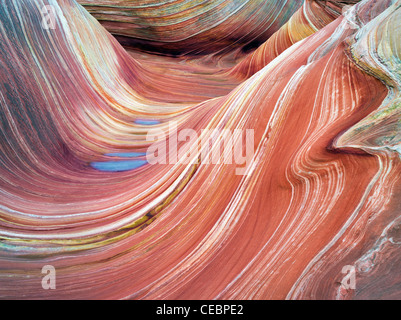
(48, 13)
(349, 280)
(348, 13)
(49, 280)
(211, 146)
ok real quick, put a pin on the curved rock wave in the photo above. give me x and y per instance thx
(319, 193)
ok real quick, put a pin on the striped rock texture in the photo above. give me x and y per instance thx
(198, 26)
(318, 82)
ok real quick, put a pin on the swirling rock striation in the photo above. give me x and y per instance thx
(321, 191)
